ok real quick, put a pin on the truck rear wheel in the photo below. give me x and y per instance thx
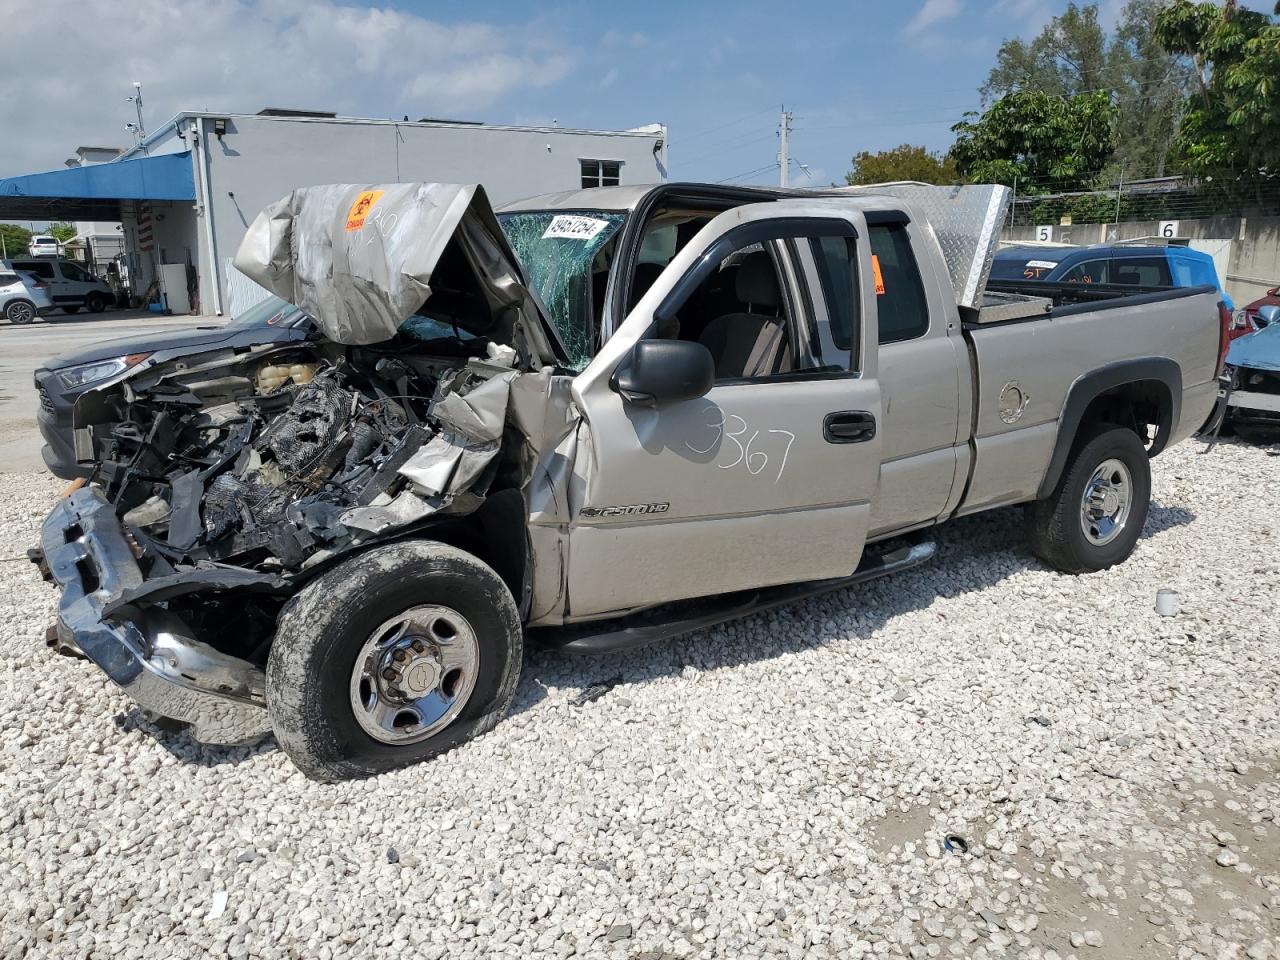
(1094, 516)
(391, 658)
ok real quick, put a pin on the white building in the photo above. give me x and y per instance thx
(188, 192)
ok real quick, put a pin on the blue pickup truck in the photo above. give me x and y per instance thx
(1109, 265)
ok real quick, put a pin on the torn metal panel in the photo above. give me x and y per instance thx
(476, 411)
(406, 508)
(361, 258)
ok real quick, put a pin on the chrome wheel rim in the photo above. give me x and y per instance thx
(414, 675)
(1107, 502)
(20, 313)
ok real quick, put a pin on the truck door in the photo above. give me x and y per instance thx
(769, 477)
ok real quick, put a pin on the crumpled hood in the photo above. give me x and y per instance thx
(362, 258)
(1258, 351)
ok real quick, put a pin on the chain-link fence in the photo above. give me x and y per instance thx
(1168, 198)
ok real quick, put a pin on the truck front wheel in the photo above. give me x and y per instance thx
(391, 658)
(1094, 516)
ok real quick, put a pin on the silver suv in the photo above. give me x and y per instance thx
(23, 296)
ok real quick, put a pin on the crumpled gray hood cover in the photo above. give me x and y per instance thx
(359, 259)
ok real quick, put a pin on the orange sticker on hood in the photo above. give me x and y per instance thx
(875, 269)
(360, 209)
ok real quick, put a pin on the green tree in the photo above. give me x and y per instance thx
(62, 231)
(16, 239)
(1047, 142)
(1073, 55)
(1068, 57)
(905, 162)
(1150, 86)
(1230, 127)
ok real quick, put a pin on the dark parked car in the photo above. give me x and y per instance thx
(61, 380)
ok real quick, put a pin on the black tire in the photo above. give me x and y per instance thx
(96, 302)
(20, 312)
(71, 308)
(1054, 525)
(323, 629)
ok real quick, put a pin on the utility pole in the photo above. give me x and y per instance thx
(139, 131)
(1119, 192)
(784, 157)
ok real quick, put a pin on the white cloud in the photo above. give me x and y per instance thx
(1024, 18)
(933, 12)
(609, 79)
(240, 56)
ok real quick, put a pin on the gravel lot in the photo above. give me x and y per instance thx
(778, 787)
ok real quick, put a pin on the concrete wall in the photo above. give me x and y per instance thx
(1253, 262)
(260, 159)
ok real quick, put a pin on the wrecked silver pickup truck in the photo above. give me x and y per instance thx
(618, 415)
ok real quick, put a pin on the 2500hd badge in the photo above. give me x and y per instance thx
(635, 509)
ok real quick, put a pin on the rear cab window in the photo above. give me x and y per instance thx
(900, 299)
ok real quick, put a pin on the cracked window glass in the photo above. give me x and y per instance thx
(567, 257)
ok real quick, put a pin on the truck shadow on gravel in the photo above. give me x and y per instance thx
(974, 553)
(182, 746)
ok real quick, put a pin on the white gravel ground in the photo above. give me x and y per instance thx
(777, 787)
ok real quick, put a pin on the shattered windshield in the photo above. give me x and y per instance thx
(567, 258)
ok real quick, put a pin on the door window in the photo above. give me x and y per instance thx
(901, 305)
(837, 261)
(1141, 272)
(1091, 271)
(742, 310)
(71, 271)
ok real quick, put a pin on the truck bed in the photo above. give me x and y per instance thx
(1025, 370)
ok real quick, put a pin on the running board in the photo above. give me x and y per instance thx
(672, 620)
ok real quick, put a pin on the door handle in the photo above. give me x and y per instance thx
(849, 426)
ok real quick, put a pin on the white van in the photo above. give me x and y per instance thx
(70, 285)
(42, 246)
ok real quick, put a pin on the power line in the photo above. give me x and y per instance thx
(755, 138)
(722, 126)
(750, 173)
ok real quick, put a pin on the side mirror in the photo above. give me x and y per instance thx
(665, 371)
(1268, 314)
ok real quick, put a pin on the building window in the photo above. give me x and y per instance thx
(600, 173)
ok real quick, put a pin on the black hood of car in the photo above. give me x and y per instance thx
(194, 339)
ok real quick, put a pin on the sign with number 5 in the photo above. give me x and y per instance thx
(1044, 234)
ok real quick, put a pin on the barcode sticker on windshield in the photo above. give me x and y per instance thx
(574, 228)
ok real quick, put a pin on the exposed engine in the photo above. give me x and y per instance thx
(278, 462)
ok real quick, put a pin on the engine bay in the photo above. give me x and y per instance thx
(278, 460)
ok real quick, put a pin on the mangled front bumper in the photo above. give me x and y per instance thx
(117, 619)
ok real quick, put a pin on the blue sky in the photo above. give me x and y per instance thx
(856, 75)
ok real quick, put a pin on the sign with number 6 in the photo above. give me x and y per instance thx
(1168, 229)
